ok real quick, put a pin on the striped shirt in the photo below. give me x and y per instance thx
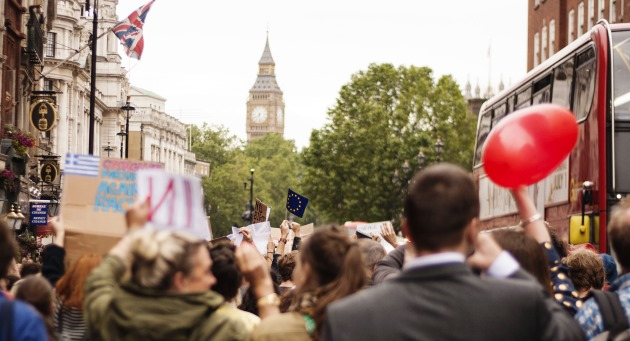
(68, 323)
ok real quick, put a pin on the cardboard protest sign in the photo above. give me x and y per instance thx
(175, 202)
(96, 193)
(260, 234)
(261, 211)
(368, 229)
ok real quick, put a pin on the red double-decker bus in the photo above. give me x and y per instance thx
(590, 77)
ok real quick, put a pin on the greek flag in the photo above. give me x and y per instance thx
(84, 165)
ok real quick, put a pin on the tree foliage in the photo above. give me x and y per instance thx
(358, 165)
(276, 165)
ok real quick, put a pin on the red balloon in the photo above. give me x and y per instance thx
(528, 144)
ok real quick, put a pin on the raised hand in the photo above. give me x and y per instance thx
(387, 231)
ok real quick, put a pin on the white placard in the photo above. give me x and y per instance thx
(260, 234)
(175, 202)
(368, 229)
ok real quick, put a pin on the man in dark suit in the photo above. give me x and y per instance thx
(437, 296)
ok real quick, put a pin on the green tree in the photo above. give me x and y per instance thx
(358, 165)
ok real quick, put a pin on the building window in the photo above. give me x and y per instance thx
(48, 85)
(571, 26)
(600, 9)
(536, 49)
(613, 12)
(51, 42)
(543, 44)
(580, 19)
(552, 37)
(591, 13)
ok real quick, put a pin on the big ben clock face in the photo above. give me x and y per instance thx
(279, 116)
(259, 114)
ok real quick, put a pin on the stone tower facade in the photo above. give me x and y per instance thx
(265, 105)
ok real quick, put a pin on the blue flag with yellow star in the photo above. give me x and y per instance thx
(296, 204)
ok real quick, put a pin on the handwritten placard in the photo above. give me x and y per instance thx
(368, 229)
(175, 202)
(261, 212)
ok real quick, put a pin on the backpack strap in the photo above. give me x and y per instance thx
(613, 314)
(6, 311)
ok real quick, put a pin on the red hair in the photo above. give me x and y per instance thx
(70, 287)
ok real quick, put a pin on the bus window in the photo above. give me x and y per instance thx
(542, 90)
(482, 133)
(563, 77)
(499, 113)
(621, 69)
(523, 99)
(584, 83)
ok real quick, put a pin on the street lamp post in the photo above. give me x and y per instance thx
(122, 135)
(249, 213)
(439, 148)
(127, 107)
(109, 148)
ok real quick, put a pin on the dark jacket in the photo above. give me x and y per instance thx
(449, 302)
(115, 311)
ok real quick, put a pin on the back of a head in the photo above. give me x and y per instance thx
(37, 291)
(157, 255)
(371, 251)
(333, 259)
(586, 269)
(441, 201)
(619, 233)
(286, 264)
(30, 268)
(527, 252)
(70, 287)
(610, 266)
(8, 248)
(226, 270)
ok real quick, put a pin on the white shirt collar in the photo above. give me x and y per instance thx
(435, 259)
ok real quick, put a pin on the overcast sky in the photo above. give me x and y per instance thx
(203, 55)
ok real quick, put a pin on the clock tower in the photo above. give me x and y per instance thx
(265, 105)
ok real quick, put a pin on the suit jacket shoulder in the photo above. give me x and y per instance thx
(449, 302)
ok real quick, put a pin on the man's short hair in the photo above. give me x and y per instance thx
(7, 248)
(586, 269)
(619, 232)
(441, 201)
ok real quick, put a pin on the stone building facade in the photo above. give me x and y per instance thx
(553, 24)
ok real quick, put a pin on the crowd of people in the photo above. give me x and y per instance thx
(449, 281)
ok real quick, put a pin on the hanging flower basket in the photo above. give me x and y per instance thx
(21, 141)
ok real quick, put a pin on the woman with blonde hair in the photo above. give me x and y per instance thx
(167, 295)
(328, 268)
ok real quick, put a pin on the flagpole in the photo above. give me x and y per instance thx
(93, 77)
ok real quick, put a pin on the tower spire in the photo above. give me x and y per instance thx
(266, 58)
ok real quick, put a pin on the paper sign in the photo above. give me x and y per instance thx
(261, 212)
(175, 202)
(260, 234)
(93, 204)
(368, 229)
(39, 214)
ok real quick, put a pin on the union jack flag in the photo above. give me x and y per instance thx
(129, 31)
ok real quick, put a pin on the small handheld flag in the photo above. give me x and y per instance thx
(130, 31)
(296, 204)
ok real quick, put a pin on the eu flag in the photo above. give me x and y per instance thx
(296, 204)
